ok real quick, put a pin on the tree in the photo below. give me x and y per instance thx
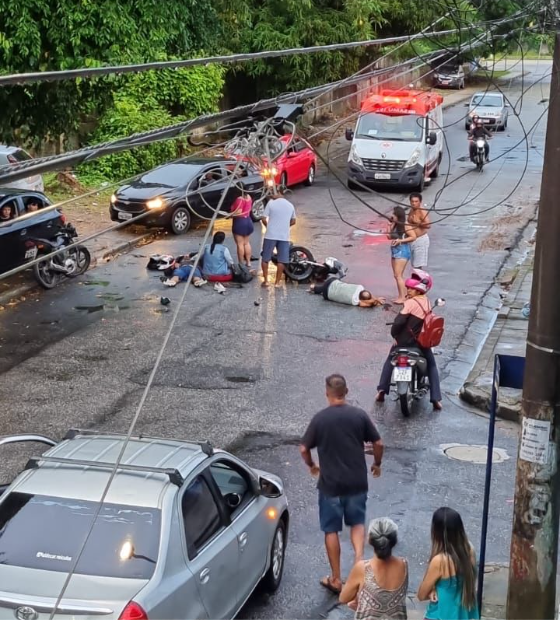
(41, 35)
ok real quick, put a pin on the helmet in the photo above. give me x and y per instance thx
(420, 281)
(165, 262)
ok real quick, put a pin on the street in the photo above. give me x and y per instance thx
(246, 369)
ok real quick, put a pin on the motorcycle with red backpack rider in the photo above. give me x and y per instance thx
(411, 366)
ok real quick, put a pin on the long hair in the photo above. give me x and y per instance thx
(400, 224)
(219, 237)
(450, 539)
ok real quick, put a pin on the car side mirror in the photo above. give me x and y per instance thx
(233, 500)
(269, 488)
(349, 133)
(432, 138)
(440, 302)
(466, 105)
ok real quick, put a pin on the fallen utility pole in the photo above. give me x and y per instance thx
(534, 544)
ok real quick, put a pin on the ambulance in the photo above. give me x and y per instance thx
(397, 141)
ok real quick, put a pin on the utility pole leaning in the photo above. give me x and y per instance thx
(534, 544)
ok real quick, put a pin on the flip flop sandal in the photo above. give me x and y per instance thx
(327, 583)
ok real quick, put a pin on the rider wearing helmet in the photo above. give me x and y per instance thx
(405, 330)
(478, 130)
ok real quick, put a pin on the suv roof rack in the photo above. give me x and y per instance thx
(175, 476)
(205, 446)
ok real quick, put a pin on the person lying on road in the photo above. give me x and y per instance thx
(179, 270)
(333, 289)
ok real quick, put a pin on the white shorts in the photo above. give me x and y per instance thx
(420, 249)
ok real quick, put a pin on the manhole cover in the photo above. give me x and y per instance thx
(473, 454)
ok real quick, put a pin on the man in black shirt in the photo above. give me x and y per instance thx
(478, 130)
(339, 433)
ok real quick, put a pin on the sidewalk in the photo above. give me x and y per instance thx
(507, 337)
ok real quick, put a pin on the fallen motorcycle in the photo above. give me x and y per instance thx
(303, 266)
(67, 264)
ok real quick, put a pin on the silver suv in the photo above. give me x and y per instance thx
(15, 155)
(185, 531)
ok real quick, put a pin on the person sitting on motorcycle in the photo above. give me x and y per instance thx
(333, 289)
(478, 130)
(405, 330)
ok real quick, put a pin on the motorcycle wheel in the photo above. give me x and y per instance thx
(298, 269)
(45, 276)
(479, 165)
(83, 260)
(404, 391)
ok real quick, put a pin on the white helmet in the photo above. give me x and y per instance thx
(165, 262)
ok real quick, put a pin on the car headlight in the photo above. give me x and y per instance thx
(113, 199)
(413, 158)
(155, 203)
(354, 157)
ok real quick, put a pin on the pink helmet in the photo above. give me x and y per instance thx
(420, 281)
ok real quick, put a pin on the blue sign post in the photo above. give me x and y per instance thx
(508, 372)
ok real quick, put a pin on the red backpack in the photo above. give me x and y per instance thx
(432, 330)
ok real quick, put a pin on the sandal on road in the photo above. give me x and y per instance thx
(327, 583)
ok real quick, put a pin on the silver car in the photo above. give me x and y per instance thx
(185, 531)
(492, 109)
(15, 155)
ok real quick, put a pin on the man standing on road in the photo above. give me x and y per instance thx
(279, 216)
(419, 218)
(339, 433)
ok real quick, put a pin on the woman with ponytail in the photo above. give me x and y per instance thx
(377, 588)
(216, 259)
(450, 582)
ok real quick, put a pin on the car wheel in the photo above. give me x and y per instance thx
(284, 179)
(180, 221)
(271, 581)
(310, 175)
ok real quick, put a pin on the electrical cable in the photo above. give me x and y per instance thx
(143, 399)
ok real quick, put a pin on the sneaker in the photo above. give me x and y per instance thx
(170, 282)
(219, 288)
(200, 282)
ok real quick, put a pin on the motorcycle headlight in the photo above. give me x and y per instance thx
(413, 158)
(480, 144)
(354, 157)
(156, 203)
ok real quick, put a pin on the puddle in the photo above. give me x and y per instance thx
(242, 379)
(96, 283)
(110, 296)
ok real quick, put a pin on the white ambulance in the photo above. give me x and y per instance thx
(397, 141)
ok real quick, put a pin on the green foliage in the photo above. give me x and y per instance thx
(41, 35)
(125, 117)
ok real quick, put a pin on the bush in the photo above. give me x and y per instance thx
(125, 117)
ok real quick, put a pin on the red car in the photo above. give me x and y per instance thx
(297, 165)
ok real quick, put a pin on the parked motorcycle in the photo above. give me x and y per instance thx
(410, 374)
(67, 264)
(480, 153)
(303, 266)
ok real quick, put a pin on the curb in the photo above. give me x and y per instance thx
(97, 260)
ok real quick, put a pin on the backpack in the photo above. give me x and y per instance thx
(241, 274)
(432, 330)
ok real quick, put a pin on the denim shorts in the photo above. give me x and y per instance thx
(334, 510)
(184, 272)
(401, 251)
(282, 248)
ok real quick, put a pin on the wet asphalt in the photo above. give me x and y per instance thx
(246, 369)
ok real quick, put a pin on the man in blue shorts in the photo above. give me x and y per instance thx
(339, 433)
(279, 217)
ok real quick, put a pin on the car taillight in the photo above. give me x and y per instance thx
(402, 360)
(63, 218)
(29, 244)
(133, 611)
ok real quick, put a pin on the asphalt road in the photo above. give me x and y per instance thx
(249, 377)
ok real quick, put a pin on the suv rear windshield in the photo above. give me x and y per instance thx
(42, 532)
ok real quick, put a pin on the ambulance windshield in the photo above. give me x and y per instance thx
(405, 128)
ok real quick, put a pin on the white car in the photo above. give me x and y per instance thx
(15, 155)
(491, 108)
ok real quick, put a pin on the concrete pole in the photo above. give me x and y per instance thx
(534, 544)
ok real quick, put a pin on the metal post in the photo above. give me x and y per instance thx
(488, 481)
(534, 544)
